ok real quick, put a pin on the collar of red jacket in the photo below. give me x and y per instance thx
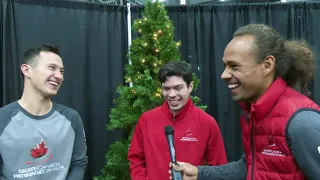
(180, 114)
(265, 103)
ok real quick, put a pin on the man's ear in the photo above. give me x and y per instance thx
(268, 64)
(26, 70)
(190, 86)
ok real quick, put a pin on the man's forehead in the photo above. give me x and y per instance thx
(232, 57)
(47, 54)
(231, 61)
(238, 51)
(50, 58)
(240, 44)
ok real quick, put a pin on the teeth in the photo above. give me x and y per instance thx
(174, 102)
(53, 83)
(232, 86)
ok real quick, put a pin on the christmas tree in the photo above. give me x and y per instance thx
(153, 47)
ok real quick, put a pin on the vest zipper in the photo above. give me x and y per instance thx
(252, 149)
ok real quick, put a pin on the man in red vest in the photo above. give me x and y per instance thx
(280, 126)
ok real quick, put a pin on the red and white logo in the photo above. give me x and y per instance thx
(38, 166)
(189, 133)
(271, 149)
(40, 153)
(188, 136)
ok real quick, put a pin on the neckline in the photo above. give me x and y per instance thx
(35, 116)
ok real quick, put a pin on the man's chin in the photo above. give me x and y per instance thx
(50, 94)
(175, 109)
(237, 98)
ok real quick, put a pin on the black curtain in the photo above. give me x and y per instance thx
(93, 43)
(205, 30)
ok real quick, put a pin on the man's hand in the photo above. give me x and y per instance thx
(189, 172)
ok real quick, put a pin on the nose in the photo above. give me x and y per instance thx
(58, 75)
(226, 75)
(172, 93)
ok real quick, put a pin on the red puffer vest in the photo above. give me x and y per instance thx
(264, 133)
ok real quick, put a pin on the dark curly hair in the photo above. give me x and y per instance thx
(294, 60)
(176, 68)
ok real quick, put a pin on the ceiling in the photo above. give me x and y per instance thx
(177, 2)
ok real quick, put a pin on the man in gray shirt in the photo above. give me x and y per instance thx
(280, 126)
(40, 139)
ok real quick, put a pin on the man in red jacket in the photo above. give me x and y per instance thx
(197, 137)
(280, 126)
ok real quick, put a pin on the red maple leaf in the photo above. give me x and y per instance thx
(40, 150)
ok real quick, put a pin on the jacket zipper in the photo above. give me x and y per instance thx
(252, 149)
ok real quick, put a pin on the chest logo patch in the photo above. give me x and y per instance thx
(40, 164)
(39, 151)
(188, 136)
(272, 149)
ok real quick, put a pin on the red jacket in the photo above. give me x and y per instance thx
(268, 155)
(196, 138)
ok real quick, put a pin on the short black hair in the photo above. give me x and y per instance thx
(29, 57)
(176, 68)
(294, 60)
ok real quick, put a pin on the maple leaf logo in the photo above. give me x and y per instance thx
(189, 133)
(40, 150)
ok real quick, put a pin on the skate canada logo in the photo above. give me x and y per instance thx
(188, 136)
(271, 148)
(38, 165)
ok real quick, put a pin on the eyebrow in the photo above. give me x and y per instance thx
(51, 64)
(231, 62)
(173, 86)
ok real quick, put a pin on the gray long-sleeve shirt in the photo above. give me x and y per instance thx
(303, 136)
(50, 147)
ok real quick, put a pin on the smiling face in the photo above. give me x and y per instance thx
(176, 92)
(247, 79)
(45, 75)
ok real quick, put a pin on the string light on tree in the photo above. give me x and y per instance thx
(140, 30)
(145, 44)
(128, 80)
(140, 22)
(159, 90)
(155, 36)
(142, 60)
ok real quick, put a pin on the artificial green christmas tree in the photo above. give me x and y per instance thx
(154, 47)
